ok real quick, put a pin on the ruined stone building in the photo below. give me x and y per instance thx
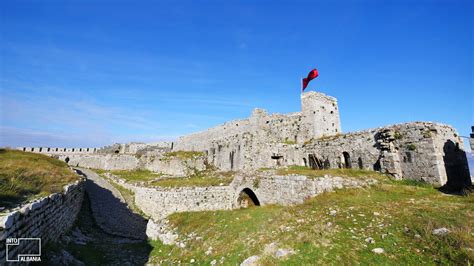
(426, 151)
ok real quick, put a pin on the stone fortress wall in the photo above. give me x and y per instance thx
(264, 188)
(426, 151)
(47, 218)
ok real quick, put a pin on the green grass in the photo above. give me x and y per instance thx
(182, 155)
(25, 176)
(392, 213)
(133, 176)
(200, 179)
(355, 173)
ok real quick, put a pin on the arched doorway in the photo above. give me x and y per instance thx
(347, 160)
(247, 198)
(66, 160)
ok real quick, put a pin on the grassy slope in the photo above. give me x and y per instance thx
(133, 176)
(200, 179)
(404, 210)
(24, 176)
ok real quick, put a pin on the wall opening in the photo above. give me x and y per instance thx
(377, 166)
(327, 164)
(41, 149)
(66, 160)
(278, 159)
(24, 149)
(247, 198)
(56, 149)
(231, 158)
(347, 160)
(116, 151)
(305, 162)
(315, 162)
(360, 163)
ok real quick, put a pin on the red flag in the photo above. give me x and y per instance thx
(312, 75)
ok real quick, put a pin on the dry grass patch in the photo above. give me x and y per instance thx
(355, 173)
(200, 179)
(134, 176)
(183, 155)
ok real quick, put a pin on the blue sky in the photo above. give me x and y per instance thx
(90, 73)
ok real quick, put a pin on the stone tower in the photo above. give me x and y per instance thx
(320, 115)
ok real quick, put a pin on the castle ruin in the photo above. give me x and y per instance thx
(424, 151)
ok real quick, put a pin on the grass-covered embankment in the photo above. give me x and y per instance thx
(199, 179)
(334, 228)
(25, 176)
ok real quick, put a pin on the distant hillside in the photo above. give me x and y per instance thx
(25, 176)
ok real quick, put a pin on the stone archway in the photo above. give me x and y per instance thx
(247, 198)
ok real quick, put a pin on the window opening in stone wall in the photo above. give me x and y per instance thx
(231, 158)
(277, 158)
(66, 160)
(359, 162)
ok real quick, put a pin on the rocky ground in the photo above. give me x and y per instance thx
(88, 244)
(110, 209)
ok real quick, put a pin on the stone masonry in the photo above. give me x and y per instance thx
(427, 151)
(47, 218)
